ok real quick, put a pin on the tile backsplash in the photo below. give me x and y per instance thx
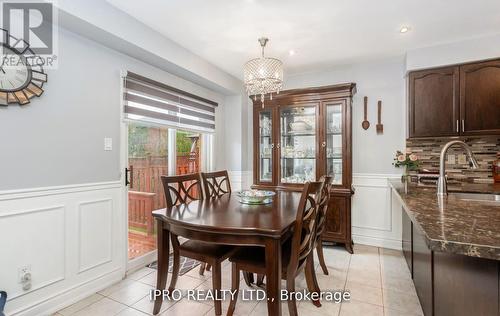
(486, 149)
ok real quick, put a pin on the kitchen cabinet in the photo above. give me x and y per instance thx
(480, 98)
(434, 102)
(458, 100)
(422, 271)
(407, 244)
(301, 135)
(449, 284)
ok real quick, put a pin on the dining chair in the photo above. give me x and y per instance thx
(297, 252)
(216, 183)
(322, 213)
(183, 189)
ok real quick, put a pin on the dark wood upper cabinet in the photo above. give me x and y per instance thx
(454, 101)
(480, 98)
(434, 102)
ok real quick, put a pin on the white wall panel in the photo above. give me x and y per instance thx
(73, 238)
(35, 238)
(95, 233)
(376, 220)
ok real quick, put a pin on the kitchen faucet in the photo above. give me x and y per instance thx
(441, 185)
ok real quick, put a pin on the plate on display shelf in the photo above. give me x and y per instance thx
(256, 196)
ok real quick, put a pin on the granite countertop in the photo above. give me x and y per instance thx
(452, 225)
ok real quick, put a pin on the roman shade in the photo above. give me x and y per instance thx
(149, 101)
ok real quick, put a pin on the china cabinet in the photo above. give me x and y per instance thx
(302, 134)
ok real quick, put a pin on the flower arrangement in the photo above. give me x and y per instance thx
(407, 160)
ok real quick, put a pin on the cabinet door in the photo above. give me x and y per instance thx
(434, 102)
(336, 219)
(298, 143)
(265, 145)
(422, 272)
(333, 146)
(407, 244)
(480, 98)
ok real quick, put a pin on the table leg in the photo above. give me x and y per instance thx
(163, 253)
(273, 276)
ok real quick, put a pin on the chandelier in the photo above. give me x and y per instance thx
(263, 75)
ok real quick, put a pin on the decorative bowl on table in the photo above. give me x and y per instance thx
(256, 196)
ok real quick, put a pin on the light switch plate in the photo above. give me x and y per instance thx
(451, 159)
(108, 143)
(462, 160)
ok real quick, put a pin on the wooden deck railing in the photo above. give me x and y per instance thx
(147, 192)
(140, 206)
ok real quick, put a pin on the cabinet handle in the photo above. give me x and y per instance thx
(323, 144)
(457, 126)
(463, 125)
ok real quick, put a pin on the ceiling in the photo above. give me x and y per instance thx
(323, 33)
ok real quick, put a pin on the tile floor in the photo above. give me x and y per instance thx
(378, 280)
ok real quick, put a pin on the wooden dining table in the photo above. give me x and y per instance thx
(225, 220)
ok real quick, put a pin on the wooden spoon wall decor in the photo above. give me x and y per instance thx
(365, 124)
(380, 126)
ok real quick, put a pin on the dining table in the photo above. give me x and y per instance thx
(225, 220)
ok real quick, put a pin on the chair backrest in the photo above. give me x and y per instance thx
(182, 189)
(323, 205)
(3, 299)
(304, 235)
(216, 183)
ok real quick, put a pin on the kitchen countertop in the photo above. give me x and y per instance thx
(470, 228)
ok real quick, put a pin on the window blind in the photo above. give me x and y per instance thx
(150, 101)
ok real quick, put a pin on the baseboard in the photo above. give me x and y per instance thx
(61, 300)
(377, 242)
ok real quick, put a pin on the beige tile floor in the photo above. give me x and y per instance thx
(377, 278)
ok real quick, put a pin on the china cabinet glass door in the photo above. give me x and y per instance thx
(334, 141)
(266, 146)
(298, 144)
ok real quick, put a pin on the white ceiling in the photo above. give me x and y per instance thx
(323, 33)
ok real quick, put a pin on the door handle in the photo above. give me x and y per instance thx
(129, 172)
(323, 144)
(463, 126)
(457, 126)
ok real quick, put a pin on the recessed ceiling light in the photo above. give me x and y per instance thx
(291, 52)
(404, 29)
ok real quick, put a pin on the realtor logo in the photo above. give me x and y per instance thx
(34, 24)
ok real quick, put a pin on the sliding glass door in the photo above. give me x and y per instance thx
(147, 162)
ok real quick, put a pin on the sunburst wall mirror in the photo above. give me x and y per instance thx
(21, 73)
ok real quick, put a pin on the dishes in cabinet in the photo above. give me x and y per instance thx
(300, 127)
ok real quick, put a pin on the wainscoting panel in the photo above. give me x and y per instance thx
(375, 220)
(95, 233)
(71, 237)
(27, 236)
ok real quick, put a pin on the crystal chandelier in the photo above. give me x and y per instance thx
(263, 75)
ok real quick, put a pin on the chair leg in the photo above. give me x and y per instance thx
(260, 279)
(235, 288)
(176, 266)
(292, 304)
(216, 286)
(312, 282)
(202, 268)
(319, 250)
(208, 267)
(248, 277)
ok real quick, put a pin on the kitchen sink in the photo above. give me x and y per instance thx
(480, 197)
